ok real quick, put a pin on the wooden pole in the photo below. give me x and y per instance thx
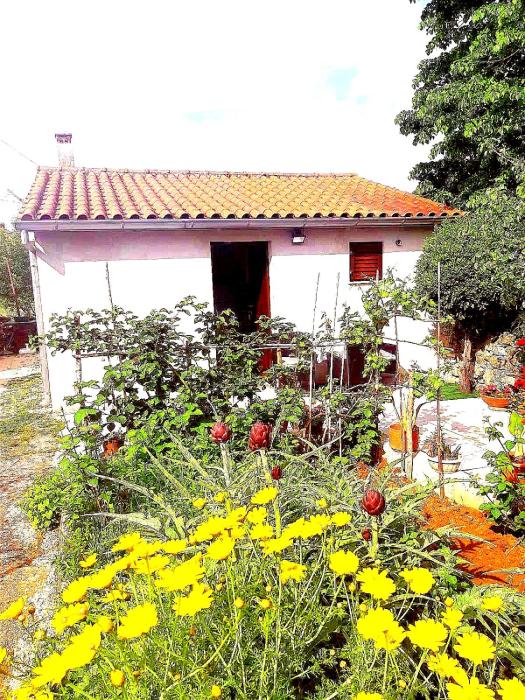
(312, 358)
(438, 393)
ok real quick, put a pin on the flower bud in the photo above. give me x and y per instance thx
(220, 433)
(373, 502)
(366, 535)
(260, 436)
(117, 678)
(277, 472)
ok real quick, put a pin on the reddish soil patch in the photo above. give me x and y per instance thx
(483, 560)
(17, 361)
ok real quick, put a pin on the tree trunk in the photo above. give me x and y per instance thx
(467, 368)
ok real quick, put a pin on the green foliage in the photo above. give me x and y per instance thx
(12, 251)
(469, 100)
(505, 487)
(481, 256)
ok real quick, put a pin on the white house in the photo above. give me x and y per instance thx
(253, 242)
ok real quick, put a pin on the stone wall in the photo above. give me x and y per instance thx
(496, 363)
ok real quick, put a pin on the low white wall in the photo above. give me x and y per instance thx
(156, 269)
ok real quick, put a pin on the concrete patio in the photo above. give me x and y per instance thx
(463, 424)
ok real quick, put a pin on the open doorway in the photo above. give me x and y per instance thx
(241, 281)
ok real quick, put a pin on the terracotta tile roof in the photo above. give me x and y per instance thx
(86, 193)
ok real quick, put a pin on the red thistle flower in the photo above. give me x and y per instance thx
(519, 384)
(373, 502)
(220, 432)
(520, 342)
(366, 535)
(276, 472)
(260, 436)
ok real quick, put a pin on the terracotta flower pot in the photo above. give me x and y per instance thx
(397, 438)
(496, 403)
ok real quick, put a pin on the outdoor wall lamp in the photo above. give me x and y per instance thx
(298, 236)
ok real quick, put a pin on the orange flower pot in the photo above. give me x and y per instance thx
(497, 403)
(397, 438)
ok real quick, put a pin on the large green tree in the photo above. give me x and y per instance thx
(469, 100)
(16, 291)
(482, 258)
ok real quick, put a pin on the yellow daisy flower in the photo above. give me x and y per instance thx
(127, 542)
(341, 518)
(446, 667)
(69, 616)
(512, 689)
(261, 532)
(221, 548)
(257, 515)
(343, 563)
(264, 496)
(13, 611)
(220, 497)
(294, 530)
(180, 577)
(199, 598)
(77, 590)
(215, 691)
(419, 580)
(469, 689)
(265, 604)
(275, 545)
(51, 670)
(88, 561)
(428, 634)
(291, 570)
(322, 503)
(315, 526)
(475, 647)
(376, 583)
(452, 618)
(138, 621)
(174, 546)
(199, 503)
(380, 626)
(368, 696)
(105, 623)
(492, 603)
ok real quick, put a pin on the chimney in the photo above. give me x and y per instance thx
(65, 150)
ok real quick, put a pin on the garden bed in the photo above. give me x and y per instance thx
(491, 561)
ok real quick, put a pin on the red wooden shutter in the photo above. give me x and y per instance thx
(366, 261)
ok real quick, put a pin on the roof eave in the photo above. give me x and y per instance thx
(211, 224)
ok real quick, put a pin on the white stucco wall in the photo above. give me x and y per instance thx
(152, 269)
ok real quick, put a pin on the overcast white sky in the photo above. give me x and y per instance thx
(257, 85)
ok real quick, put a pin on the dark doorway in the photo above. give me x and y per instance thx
(241, 281)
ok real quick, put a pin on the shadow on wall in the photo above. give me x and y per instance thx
(59, 247)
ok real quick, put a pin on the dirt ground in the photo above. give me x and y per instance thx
(8, 362)
(27, 447)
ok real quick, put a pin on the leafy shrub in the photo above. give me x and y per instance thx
(505, 487)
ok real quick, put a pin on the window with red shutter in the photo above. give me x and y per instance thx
(366, 261)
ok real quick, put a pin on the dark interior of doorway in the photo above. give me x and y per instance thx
(240, 281)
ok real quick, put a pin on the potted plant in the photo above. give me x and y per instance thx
(497, 399)
(450, 458)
